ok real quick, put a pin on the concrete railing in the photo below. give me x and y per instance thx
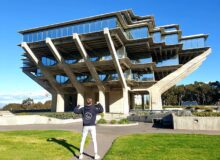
(196, 123)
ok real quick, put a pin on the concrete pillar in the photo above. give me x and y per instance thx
(80, 99)
(57, 103)
(132, 101)
(142, 101)
(102, 99)
(125, 101)
(155, 100)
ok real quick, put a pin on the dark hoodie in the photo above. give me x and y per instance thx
(89, 113)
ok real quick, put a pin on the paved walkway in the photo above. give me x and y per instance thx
(105, 135)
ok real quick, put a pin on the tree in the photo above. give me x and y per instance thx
(202, 93)
(28, 102)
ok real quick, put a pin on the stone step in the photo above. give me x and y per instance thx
(6, 113)
(111, 116)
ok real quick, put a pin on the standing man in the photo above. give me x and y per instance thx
(89, 112)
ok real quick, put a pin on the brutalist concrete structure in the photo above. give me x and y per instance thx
(122, 60)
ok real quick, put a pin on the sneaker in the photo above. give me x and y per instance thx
(97, 156)
(81, 156)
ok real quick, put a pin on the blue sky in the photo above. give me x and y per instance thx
(194, 17)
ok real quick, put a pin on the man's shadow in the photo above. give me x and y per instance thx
(68, 146)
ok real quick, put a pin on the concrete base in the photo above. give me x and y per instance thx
(34, 119)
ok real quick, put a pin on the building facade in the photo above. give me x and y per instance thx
(122, 60)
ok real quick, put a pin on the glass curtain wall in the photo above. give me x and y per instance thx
(137, 33)
(81, 28)
(193, 43)
(171, 39)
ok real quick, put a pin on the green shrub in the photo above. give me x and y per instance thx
(204, 108)
(207, 114)
(59, 115)
(102, 115)
(123, 121)
(113, 121)
(62, 115)
(102, 121)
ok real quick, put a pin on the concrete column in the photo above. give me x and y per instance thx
(142, 101)
(155, 99)
(125, 101)
(132, 101)
(102, 99)
(57, 103)
(80, 99)
(115, 58)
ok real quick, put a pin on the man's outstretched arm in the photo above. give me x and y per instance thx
(78, 109)
(99, 108)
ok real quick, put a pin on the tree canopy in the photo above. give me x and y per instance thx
(202, 93)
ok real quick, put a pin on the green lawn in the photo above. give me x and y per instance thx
(39, 145)
(165, 147)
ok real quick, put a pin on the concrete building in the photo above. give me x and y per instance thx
(122, 60)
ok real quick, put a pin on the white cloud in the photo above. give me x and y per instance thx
(18, 97)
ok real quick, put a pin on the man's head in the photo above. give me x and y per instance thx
(89, 101)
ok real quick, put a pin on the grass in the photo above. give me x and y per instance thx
(165, 147)
(39, 145)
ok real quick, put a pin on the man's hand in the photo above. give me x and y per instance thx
(79, 106)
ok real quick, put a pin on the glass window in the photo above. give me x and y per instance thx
(25, 38)
(169, 62)
(40, 36)
(102, 77)
(75, 28)
(193, 43)
(58, 32)
(112, 23)
(71, 61)
(44, 34)
(98, 25)
(80, 29)
(104, 23)
(156, 37)
(48, 61)
(92, 27)
(142, 60)
(86, 28)
(140, 76)
(170, 29)
(64, 29)
(137, 33)
(50, 33)
(171, 39)
(38, 73)
(34, 36)
(61, 79)
(70, 32)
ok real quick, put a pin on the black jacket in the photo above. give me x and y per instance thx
(89, 113)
